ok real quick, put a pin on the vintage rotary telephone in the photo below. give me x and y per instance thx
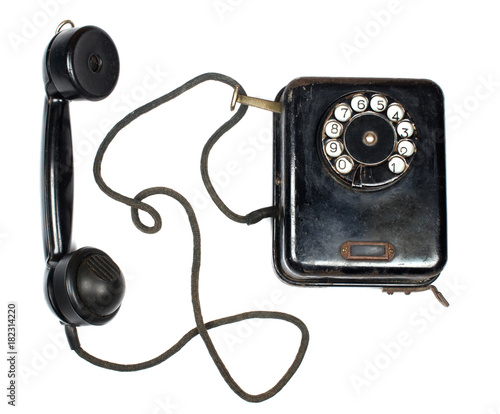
(359, 172)
(359, 191)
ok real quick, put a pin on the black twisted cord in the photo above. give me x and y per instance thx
(137, 204)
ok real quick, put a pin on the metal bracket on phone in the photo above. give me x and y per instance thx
(408, 290)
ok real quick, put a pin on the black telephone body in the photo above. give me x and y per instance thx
(359, 181)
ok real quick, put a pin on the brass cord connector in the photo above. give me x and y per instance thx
(255, 102)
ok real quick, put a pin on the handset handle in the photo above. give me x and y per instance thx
(57, 179)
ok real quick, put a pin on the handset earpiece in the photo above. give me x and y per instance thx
(81, 63)
(86, 286)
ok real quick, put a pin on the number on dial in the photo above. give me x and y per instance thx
(406, 148)
(378, 103)
(333, 129)
(344, 165)
(359, 103)
(334, 148)
(395, 112)
(397, 164)
(405, 129)
(343, 112)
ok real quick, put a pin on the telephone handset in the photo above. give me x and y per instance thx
(359, 181)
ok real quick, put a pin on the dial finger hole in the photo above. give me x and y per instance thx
(344, 164)
(333, 129)
(397, 164)
(343, 113)
(378, 103)
(405, 129)
(359, 103)
(406, 148)
(334, 148)
(395, 112)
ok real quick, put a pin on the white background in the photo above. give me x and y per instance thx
(446, 360)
